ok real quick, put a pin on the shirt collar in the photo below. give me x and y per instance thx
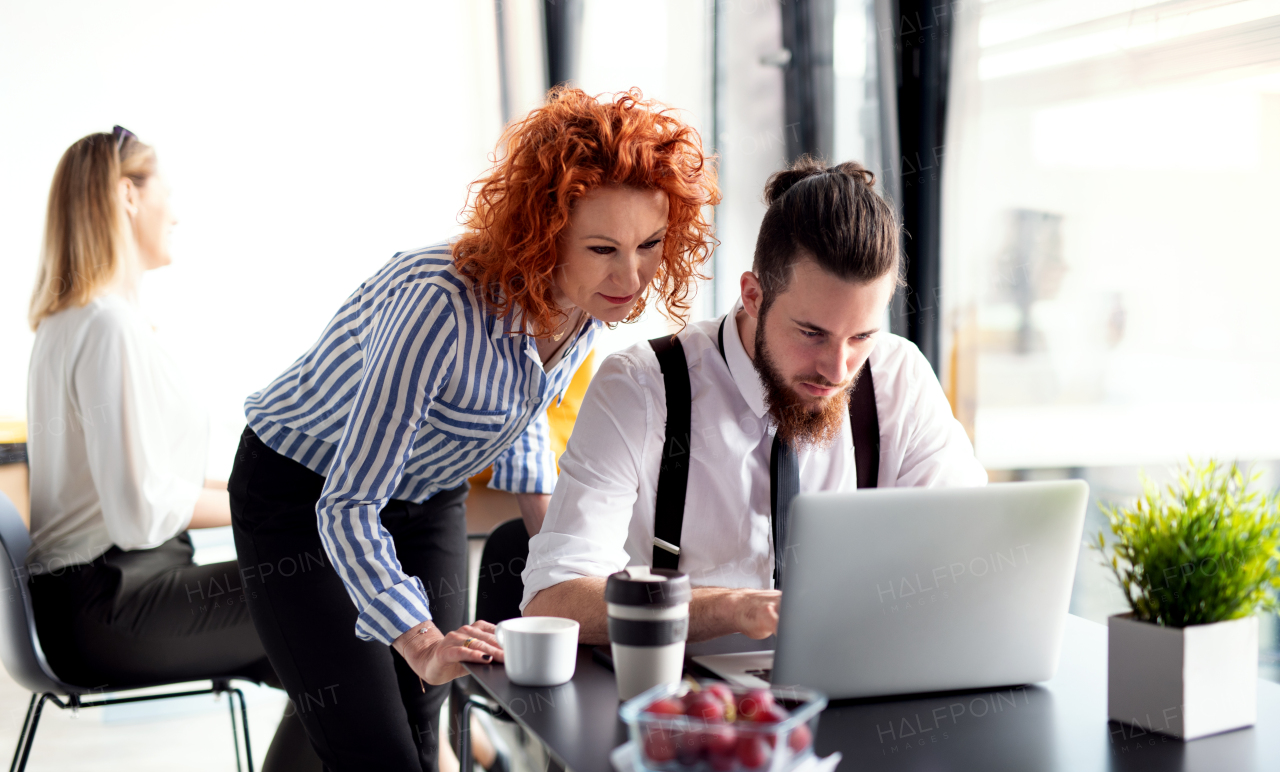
(583, 336)
(740, 367)
(513, 322)
(508, 324)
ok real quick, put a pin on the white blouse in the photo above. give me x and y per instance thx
(115, 445)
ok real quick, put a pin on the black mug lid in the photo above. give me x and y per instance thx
(634, 587)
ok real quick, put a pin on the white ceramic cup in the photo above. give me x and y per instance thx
(539, 651)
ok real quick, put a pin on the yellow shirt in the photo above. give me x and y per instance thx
(562, 416)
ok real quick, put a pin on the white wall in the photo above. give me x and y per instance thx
(305, 144)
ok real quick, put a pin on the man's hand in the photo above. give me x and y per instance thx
(755, 612)
(718, 611)
(438, 658)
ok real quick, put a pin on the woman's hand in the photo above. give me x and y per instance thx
(438, 658)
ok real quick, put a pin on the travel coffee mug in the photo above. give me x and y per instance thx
(648, 625)
(539, 651)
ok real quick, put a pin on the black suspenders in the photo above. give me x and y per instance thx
(864, 421)
(673, 478)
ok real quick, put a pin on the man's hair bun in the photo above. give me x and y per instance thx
(830, 214)
(808, 167)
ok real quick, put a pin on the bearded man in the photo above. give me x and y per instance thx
(688, 450)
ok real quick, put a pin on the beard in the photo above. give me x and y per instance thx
(803, 422)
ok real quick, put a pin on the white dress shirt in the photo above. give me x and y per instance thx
(115, 444)
(601, 516)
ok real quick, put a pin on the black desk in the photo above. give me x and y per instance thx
(1058, 725)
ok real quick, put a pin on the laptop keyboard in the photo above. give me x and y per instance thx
(764, 673)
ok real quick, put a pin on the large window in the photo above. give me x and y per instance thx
(1111, 175)
(1108, 256)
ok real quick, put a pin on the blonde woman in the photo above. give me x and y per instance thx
(117, 454)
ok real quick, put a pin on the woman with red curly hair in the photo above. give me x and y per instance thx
(348, 487)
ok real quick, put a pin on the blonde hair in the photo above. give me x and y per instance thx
(86, 232)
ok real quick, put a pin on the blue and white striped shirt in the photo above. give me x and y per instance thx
(414, 386)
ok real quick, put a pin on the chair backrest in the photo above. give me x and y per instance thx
(499, 587)
(20, 649)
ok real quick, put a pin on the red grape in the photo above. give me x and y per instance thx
(706, 707)
(753, 702)
(770, 715)
(721, 742)
(752, 752)
(800, 738)
(665, 707)
(722, 691)
(763, 696)
(689, 747)
(722, 739)
(659, 747)
(722, 762)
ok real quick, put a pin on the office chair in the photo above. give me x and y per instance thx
(24, 658)
(499, 590)
(499, 587)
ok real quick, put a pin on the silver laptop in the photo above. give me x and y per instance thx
(907, 590)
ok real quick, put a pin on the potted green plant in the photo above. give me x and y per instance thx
(1197, 560)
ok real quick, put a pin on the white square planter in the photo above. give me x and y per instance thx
(1188, 682)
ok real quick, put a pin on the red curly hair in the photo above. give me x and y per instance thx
(558, 154)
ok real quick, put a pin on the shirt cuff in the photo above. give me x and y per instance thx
(555, 558)
(393, 612)
(542, 482)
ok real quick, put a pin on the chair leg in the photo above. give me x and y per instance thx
(27, 737)
(244, 722)
(235, 736)
(22, 736)
(464, 737)
(31, 735)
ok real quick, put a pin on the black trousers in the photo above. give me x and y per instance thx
(147, 617)
(361, 705)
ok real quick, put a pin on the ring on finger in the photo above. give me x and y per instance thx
(467, 644)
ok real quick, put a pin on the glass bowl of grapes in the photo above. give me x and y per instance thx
(712, 726)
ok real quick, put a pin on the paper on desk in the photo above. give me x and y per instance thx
(624, 757)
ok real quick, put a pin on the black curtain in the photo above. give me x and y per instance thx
(918, 68)
(922, 47)
(809, 78)
(562, 24)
